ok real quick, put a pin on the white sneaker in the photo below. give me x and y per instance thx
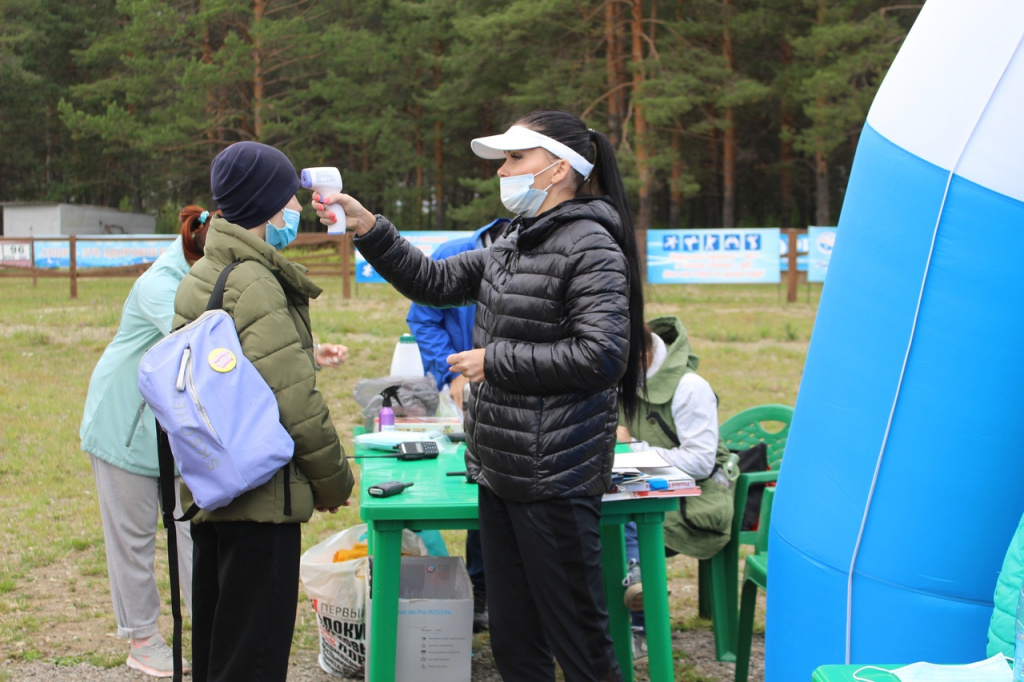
(153, 657)
(639, 647)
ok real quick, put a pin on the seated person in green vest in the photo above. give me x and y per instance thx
(679, 419)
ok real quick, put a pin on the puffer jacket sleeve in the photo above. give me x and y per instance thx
(1002, 625)
(593, 352)
(271, 339)
(454, 281)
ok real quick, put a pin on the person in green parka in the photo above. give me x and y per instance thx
(678, 418)
(246, 560)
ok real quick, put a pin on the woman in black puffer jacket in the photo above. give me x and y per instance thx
(559, 344)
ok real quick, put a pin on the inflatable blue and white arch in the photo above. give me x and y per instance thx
(903, 479)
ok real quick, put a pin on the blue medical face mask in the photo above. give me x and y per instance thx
(280, 237)
(519, 196)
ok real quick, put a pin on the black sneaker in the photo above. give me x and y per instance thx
(480, 620)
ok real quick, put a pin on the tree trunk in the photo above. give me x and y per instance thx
(822, 215)
(439, 214)
(821, 198)
(259, 85)
(786, 122)
(675, 196)
(729, 133)
(729, 171)
(214, 134)
(418, 132)
(640, 120)
(135, 186)
(615, 71)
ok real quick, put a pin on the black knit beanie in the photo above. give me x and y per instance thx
(251, 182)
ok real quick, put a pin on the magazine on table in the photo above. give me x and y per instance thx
(645, 473)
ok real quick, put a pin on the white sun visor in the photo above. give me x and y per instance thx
(519, 138)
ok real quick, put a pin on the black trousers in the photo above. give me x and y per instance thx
(245, 590)
(545, 591)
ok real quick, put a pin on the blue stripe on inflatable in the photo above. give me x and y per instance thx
(947, 499)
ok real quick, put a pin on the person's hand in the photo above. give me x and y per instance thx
(331, 510)
(330, 354)
(456, 389)
(469, 363)
(357, 218)
(622, 434)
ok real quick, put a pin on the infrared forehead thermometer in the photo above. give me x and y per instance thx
(326, 180)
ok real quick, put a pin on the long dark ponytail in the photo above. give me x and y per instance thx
(606, 180)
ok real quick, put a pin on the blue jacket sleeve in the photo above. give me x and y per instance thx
(427, 325)
(433, 327)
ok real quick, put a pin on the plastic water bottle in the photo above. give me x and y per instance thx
(1018, 642)
(406, 361)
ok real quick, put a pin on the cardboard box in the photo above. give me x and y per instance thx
(435, 620)
(442, 424)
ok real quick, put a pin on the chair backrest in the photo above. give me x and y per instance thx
(768, 424)
(761, 541)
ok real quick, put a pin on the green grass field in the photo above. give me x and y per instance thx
(751, 343)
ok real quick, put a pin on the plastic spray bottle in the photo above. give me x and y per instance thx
(386, 416)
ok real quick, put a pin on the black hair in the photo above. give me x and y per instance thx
(595, 148)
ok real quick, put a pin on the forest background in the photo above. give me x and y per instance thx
(725, 113)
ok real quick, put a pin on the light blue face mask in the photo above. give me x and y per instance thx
(280, 237)
(519, 196)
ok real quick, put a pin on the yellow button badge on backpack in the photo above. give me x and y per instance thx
(222, 360)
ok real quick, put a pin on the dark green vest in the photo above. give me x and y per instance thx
(703, 524)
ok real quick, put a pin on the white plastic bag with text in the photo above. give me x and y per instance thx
(337, 591)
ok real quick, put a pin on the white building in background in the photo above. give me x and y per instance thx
(39, 219)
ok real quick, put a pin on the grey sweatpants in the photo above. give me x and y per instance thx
(130, 507)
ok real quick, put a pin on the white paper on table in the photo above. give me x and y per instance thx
(641, 459)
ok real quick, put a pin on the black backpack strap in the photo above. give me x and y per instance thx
(217, 297)
(287, 489)
(669, 431)
(167, 502)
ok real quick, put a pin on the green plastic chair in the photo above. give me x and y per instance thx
(719, 576)
(755, 575)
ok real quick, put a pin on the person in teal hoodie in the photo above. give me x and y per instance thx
(119, 433)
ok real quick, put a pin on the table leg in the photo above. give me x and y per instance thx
(386, 540)
(652, 564)
(613, 566)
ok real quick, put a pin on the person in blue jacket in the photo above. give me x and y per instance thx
(441, 332)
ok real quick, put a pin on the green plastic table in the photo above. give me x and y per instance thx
(440, 501)
(844, 673)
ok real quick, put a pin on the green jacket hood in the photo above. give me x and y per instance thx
(681, 360)
(227, 243)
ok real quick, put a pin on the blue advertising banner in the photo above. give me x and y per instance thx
(801, 252)
(426, 241)
(821, 240)
(721, 256)
(106, 253)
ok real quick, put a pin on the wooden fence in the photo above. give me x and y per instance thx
(340, 262)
